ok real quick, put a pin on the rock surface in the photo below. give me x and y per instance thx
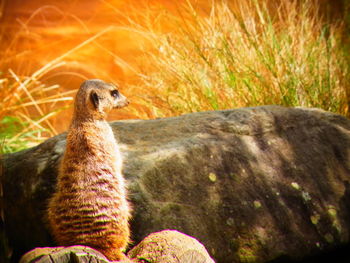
(170, 246)
(251, 184)
(166, 246)
(76, 254)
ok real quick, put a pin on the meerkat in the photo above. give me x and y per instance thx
(90, 206)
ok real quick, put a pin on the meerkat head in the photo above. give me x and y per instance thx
(96, 98)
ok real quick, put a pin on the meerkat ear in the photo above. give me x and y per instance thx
(94, 99)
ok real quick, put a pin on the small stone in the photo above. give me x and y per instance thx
(170, 246)
(64, 254)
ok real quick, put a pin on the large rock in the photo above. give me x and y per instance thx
(251, 184)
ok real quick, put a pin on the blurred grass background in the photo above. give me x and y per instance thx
(170, 58)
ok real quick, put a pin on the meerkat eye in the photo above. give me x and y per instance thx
(115, 93)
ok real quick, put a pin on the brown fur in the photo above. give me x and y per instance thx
(89, 206)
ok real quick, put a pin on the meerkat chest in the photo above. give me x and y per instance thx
(92, 150)
(92, 137)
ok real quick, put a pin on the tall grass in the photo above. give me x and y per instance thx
(26, 108)
(28, 105)
(257, 53)
(244, 53)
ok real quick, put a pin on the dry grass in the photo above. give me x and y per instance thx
(247, 56)
(27, 106)
(228, 56)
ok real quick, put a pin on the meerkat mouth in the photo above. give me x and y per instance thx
(124, 104)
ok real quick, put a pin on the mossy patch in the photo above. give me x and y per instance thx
(295, 185)
(212, 177)
(315, 218)
(257, 204)
(247, 253)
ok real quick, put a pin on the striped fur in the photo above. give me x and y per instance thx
(89, 206)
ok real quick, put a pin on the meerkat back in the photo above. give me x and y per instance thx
(90, 206)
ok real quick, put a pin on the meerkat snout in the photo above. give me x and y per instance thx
(119, 99)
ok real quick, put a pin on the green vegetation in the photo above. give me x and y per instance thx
(16, 134)
(26, 108)
(248, 55)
